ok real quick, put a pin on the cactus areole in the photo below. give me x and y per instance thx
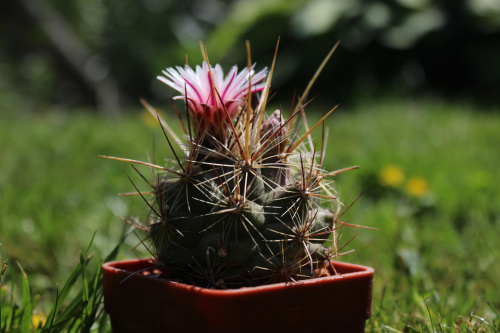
(244, 201)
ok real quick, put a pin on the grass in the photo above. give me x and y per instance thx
(434, 254)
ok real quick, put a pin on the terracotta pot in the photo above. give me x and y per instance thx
(140, 303)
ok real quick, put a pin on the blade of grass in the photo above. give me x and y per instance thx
(2, 271)
(26, 303)
(81, 312)
(53, 313)
(77, 303)
(85, 292)
(7, 309)
(69, 314)
(70, 282)
(94, 300)
(13, 307)
(12, 317)
(103, 325)
(66, 289)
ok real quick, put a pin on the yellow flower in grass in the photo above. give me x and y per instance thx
(417, 187)
(38, 320)
(391, 175)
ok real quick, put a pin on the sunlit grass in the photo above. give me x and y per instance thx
(437, 211)
(438, 218)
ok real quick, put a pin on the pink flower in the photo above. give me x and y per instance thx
(205, 104)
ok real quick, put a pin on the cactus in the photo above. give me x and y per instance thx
(250, 203)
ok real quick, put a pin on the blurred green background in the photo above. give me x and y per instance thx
(418, 83)
(107, 53)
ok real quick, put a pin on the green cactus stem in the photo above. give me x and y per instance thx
(250, 204)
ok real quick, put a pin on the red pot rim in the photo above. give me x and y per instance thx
(345, 270)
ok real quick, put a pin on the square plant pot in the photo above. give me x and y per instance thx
(138, 301)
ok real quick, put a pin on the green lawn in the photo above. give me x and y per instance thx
(428, 169)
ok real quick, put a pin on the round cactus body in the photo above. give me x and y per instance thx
(249, 204)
